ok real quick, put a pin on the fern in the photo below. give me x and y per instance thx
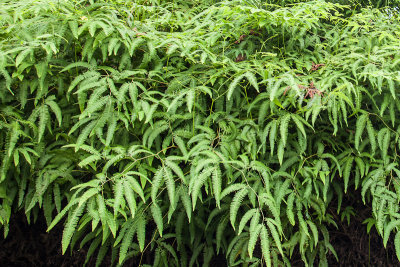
(127, 239)
(70, 227)
(118, 195)
(156, 212)
(233, 86)
(235, 205)
(361, 122)
(169, 180)
(254, 233)
(265, 245)
(202, 129)
(397, 244)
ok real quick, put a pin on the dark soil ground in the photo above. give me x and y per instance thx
(354, 246)
(30, 245)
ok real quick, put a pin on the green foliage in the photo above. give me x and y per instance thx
(188, 129)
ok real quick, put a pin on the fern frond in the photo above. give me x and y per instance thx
(388, 228)
(284, 128)
(130, 198)
(397, 244)
(275, 235)
(187, 203)
(118, 195)
(246, 217)
(157, 216)
(360, 125)
(235, 205)
(44, 117)
(134, 184)
(70, 227)
(156, 184)
(217, 184)
(233, 86)
(265, 245)
(87, 195)
(252, 79)
(169, 181)
(127, 240)
(254, 233)
(201, 179)
(141, 231)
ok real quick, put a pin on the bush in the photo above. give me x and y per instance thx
(201, 128)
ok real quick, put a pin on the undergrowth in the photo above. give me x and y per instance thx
(199, 128)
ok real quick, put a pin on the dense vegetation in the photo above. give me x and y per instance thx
(191, 129)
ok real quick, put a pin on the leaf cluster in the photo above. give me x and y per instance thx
(189, 130)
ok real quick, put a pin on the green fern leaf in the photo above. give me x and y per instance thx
(87, 195)
(366, 185)
(246, 217)
(88, 160)
(111, 129)
(299, 123)
(217, 184)
(187, 203)
(360, 165)
(232, 188)
(157, 216)
(158, 129)
(95, 107)
(84, 135)
(56, 110)
(127, 241)
(233, 86)
(385, 143)
(73, 25)
(70, 227)
(281, 151)
(156, 183)
(150, 112)
(314, 231)
(346, 172)
(102, 253)
(253, 239)
(169, 180)
(21, 56)
(252, 80)
(275, 235)
(389, 227)
(397, 244)
(92, 248)
(221, 231)
(235, 205)
(14, 136)
(199, 182)
(130, 198)
(177, 170)
(289, 208)
(190, 96)
(141, 232)
(274, 89)
(60, 215)
(391, 88)
(134, 184)
(43, 119)
(57, 197)
(262, 114)
(265, 246)
(303, 224)
(284, 128)
(181, 146)
(118, 195)
(360, 125)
